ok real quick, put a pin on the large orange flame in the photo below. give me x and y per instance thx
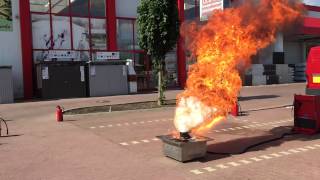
(227, 41)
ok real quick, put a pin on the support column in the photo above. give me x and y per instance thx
(182, 73)
(278, 52)
(26, 48)
(111, 25)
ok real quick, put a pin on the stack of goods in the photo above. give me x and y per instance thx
(265, 74)
(271, 74)
(247, 78)
(285, 73)
(300, 72)
(258, 76)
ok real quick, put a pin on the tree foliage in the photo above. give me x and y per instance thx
(158, 23)
(5, 10)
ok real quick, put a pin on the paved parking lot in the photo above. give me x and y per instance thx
(123, 145)
(137, 133)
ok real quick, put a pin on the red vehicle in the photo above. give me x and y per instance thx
(313, 71)
(307, 114)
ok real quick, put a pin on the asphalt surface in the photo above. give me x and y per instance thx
(123, 145)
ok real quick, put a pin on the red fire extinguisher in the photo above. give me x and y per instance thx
(59, 113)
(235, 110)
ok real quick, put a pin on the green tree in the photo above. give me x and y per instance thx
(158, 22)
(5, 9)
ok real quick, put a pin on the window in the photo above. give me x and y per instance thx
(80, 7)
(39, 5)
(80, 29)
(191, 9)
(60, 7)
(98, 34)
(41, 31)
(98, 8)
(125, 34)
(136, 36)
(61, 34)
(65, 25)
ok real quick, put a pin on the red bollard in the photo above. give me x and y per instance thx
(59, 114)
(235, 110)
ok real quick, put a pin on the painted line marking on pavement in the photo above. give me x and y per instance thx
(272, 124)
(209, 169)
(285, 153)
(221, 166)
(129, 123)
(124, 144)
(256, 159)
(310, 147)
(144, 141)
(256, 124)
(135, 142)
(196, 172)
(245, 161)
(275, 155)
(302, 149)
(265, 157)
(220, 130)
(294, 151)
(234, 164)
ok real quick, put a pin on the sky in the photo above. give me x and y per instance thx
(312, 2)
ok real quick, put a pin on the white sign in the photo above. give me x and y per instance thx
(45, 73)
(108, 55)
(124, 70)
(62, 54)
(208, 6)
(93, 70)
(82, 73)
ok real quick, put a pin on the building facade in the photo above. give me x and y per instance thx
(86, 27)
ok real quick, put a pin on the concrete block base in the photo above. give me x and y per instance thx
(184, 151)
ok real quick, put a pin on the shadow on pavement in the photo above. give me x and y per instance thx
(69, 120)
(248, 98)
(13, 135)
(237, 146)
